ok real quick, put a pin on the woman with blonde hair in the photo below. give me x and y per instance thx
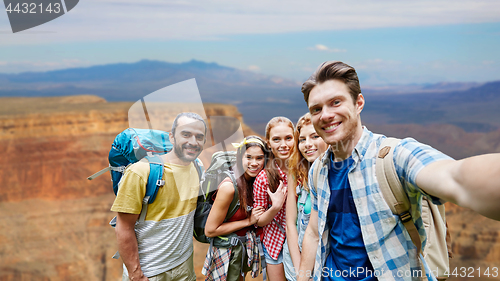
(308, 147)
(270, 193)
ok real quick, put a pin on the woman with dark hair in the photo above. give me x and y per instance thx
(252, 154)
(269, 192)
(308, 147)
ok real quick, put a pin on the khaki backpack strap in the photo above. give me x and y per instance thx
(393, 191)
(99, 173)
(448, 241)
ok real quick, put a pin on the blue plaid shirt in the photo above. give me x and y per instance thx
(388, 244)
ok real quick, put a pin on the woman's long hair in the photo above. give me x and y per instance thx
(245, 187)
(273, 175)
(299, 166)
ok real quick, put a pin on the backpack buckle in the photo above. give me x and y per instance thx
(234, 241)
(160, 182)
(405, 216)
(120, 169)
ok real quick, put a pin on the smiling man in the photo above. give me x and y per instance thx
(359, 234)
(161, 247)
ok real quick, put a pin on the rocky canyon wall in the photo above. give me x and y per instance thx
(54, 222)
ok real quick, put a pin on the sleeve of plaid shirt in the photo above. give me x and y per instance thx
(260, 185)
(410, 157)
(273, 237)
(312, 188)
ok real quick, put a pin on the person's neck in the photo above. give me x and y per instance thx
(247, 177)
(172, 158)
(343, 150)
(282, 164)
(340, 155)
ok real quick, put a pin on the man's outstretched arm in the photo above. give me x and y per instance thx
(127, 245)
(309, 247)
(472, 183)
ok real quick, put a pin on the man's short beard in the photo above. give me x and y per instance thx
(178, 151)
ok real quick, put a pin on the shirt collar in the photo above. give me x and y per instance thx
(359, 150)
(282, 174)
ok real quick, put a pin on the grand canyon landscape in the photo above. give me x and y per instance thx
(55, 222)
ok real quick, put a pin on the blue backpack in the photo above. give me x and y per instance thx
(132, 145)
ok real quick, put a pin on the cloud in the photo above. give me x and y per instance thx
(254, 68)
(324, 48)
(209, 19)
(21, 66)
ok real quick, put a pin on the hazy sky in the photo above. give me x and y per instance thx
(388, 42)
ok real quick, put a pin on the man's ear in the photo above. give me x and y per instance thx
(360, 103)
(171, 137)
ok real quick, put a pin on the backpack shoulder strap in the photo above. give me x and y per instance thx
(235, 204)
(155, 181)
(199, 167)
(392, 190)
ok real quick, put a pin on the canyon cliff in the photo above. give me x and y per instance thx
(55, 222)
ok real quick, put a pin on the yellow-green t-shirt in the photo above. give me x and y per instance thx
(165, 237)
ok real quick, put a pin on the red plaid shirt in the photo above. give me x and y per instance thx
(273, 237)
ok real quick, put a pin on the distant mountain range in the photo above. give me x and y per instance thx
(471, 106)
(131, 81)
(474, 110)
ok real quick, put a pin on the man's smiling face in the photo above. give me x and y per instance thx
(189, 139)
(335, 115)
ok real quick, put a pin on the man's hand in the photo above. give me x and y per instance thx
(127, 245)
(138, 276)
(472, 183)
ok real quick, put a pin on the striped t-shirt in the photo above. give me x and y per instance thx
(165, 237)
